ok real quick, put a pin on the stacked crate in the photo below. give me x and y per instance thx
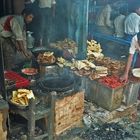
(68, 112)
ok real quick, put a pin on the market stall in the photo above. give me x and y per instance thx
(50, 90)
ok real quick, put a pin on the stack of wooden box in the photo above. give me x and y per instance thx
(69, 112)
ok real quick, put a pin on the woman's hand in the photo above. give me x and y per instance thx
(124, 78)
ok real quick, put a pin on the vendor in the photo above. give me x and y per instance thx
(134, 57)
(13, 38)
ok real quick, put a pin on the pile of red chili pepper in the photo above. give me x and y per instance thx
(111, 81)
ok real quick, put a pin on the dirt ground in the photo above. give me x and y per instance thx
(124, 129)
(91, 128)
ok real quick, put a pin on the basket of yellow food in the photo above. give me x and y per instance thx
(20, 98)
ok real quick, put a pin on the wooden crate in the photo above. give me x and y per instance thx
(68, 112)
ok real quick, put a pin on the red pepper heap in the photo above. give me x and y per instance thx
(111, 81)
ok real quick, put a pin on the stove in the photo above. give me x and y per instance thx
(62, 84)
(58, 84)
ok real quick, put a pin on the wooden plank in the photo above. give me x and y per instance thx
(31, 120)
(51, 135)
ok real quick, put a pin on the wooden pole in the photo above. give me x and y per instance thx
(2, 79)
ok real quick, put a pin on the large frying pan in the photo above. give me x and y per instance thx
(58, 83)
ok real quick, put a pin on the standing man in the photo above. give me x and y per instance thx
(13, 37)
(47, 11)
(132, 22)
(119, 22)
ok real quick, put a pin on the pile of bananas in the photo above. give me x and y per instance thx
(94, 50)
